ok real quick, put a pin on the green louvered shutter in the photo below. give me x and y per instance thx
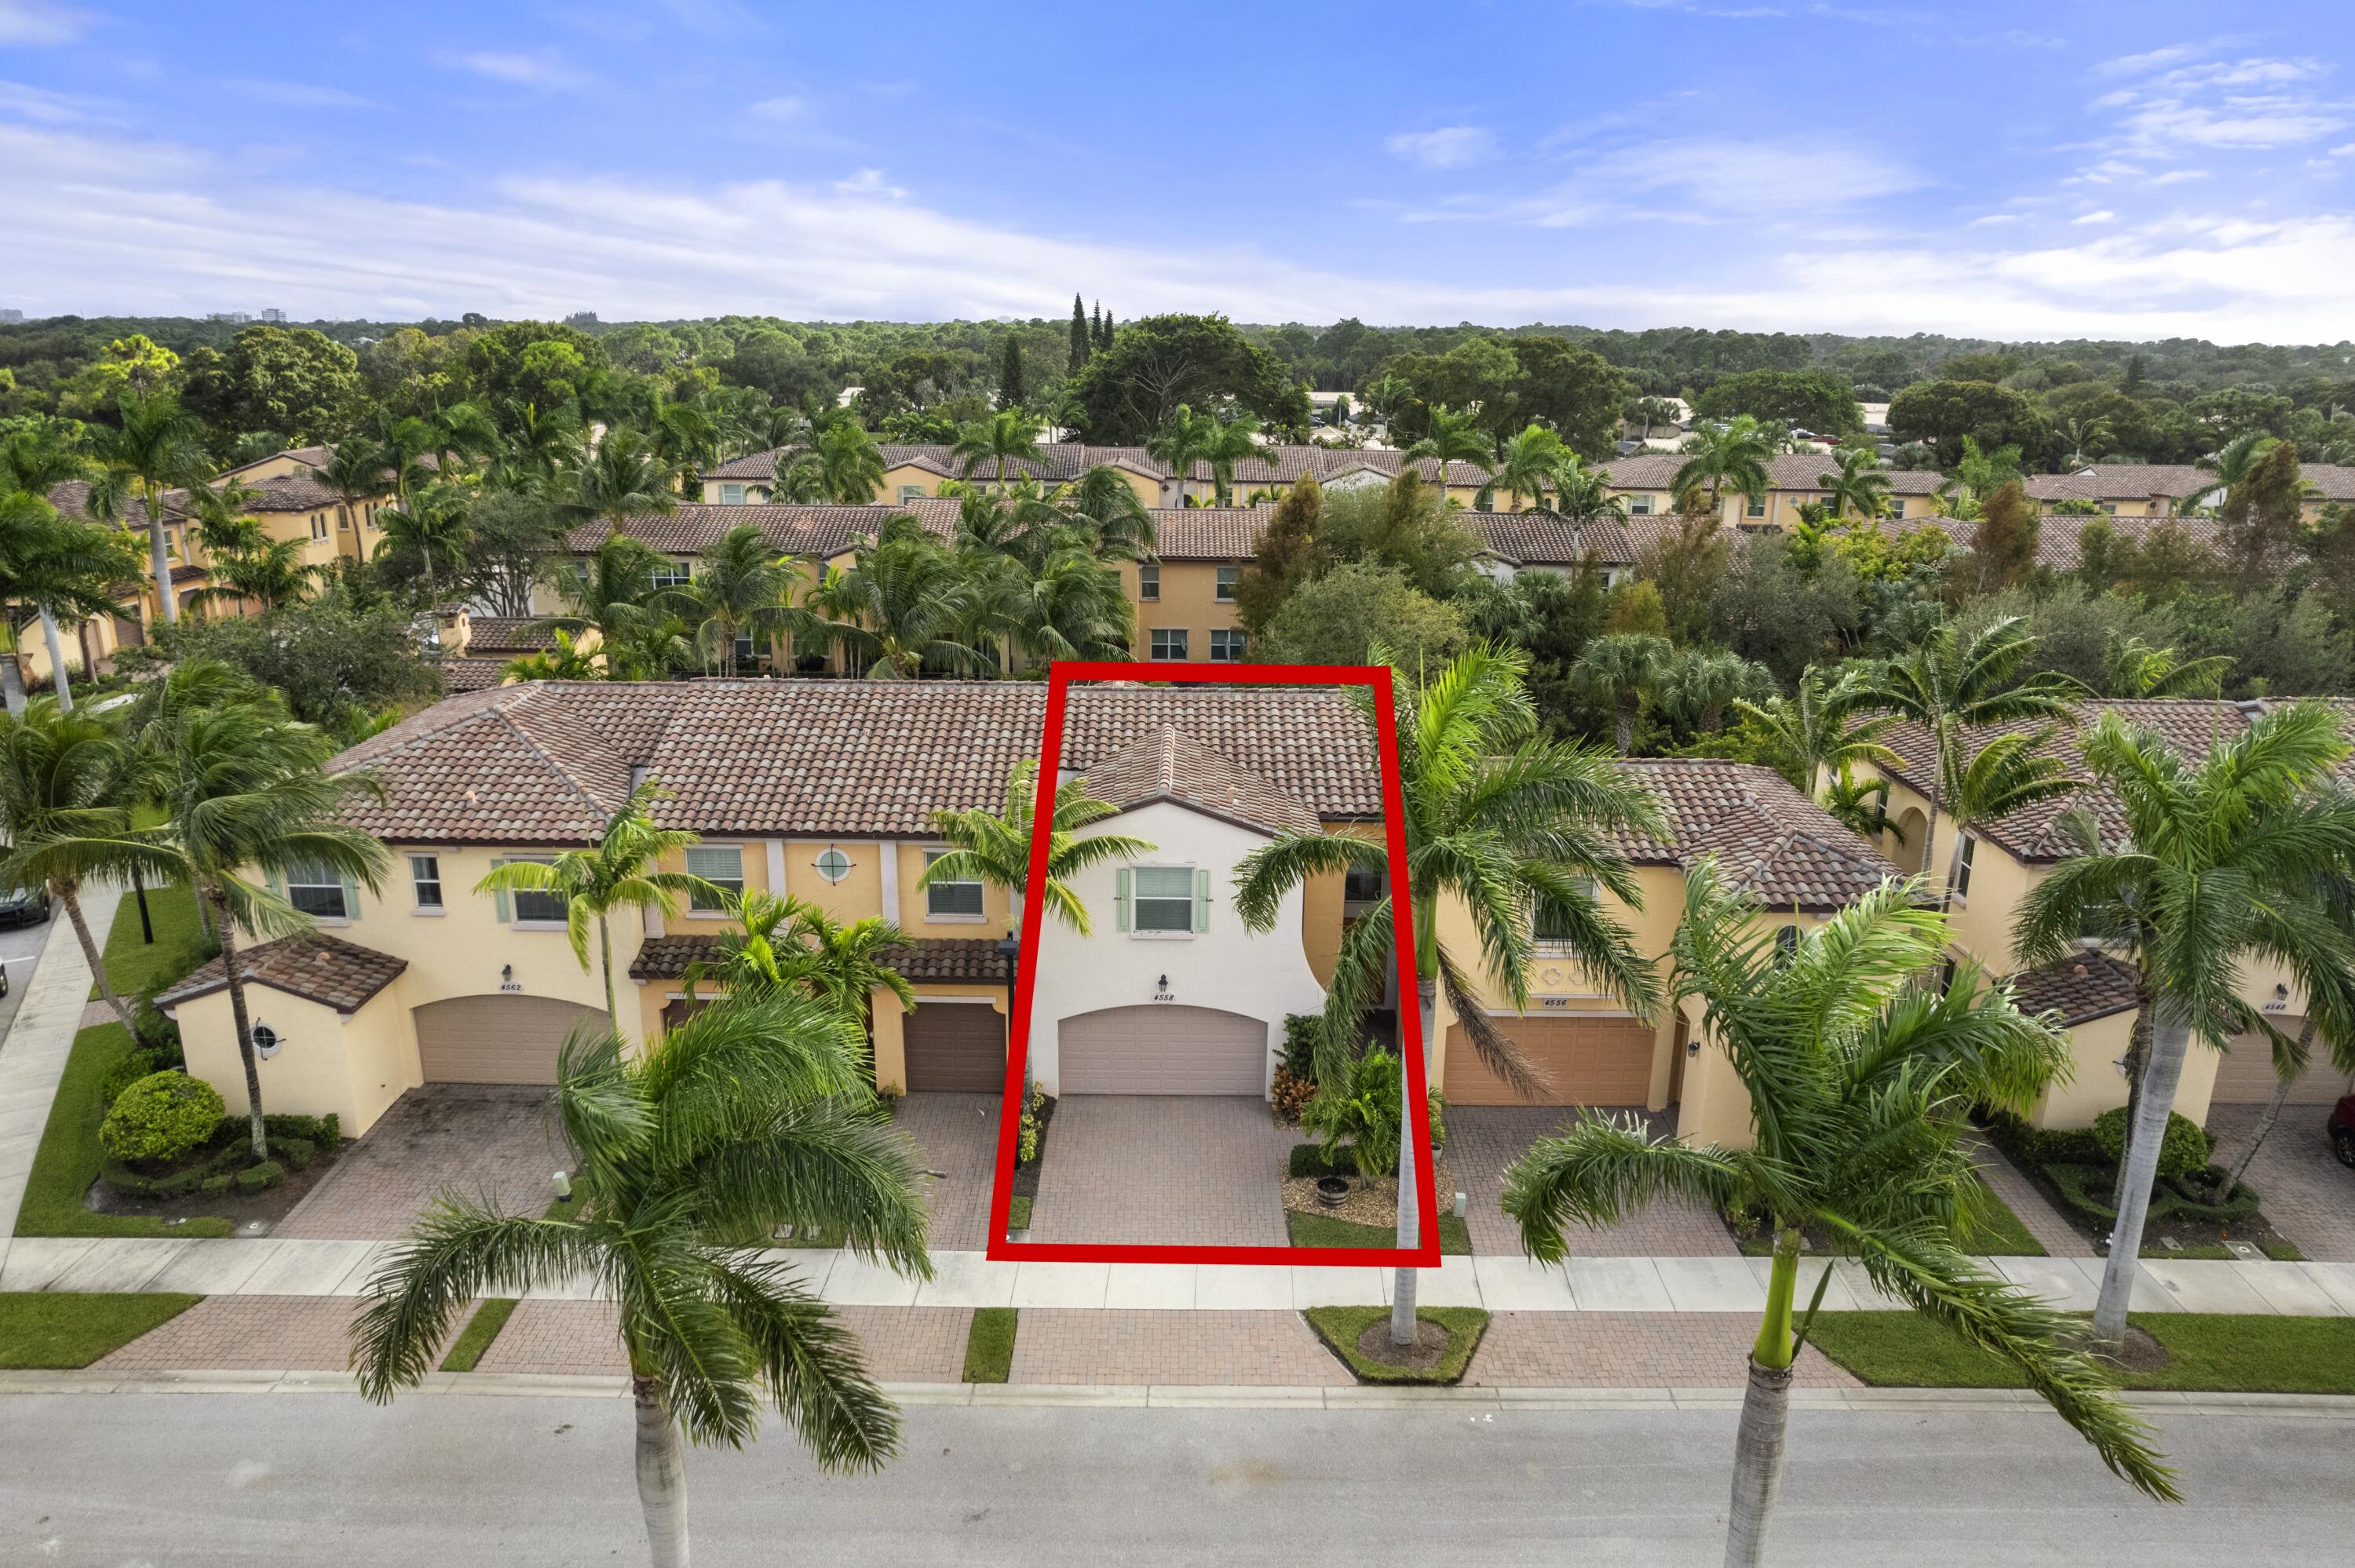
(351, 898)
(270, 881)
(499, 898)
(1122, 881)
(1201, 899)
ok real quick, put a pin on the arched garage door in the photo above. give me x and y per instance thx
(1585, 1062)
(1163, 1051)
(498, 1039)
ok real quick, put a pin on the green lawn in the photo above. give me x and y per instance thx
(2211, 1354)
(67, 1163)
(49, 1328)
(476, 1336)
(132, 966)
(1323, 1230)
(1017, 1213)
(989, 1345)
(1999, 1232)
(1339, 1327)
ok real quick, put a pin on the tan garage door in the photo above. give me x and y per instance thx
(957, 1046)
(1584, 1061)
(1163, 1051)
(2245, 1075)
(498, 1039)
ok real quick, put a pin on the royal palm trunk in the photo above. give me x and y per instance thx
(1765, 1412)
(2169, 1041)
(2270, 1115)
(12, 678)
(69, 893)
(227, 929)
(662, 1476)
(159, 558)
(56, 659)
(1410, 1236)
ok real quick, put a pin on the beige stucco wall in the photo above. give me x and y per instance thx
(1188, 599)
(352, 1067)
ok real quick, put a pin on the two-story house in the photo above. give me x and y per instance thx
(1646, 481)
(2162, 490)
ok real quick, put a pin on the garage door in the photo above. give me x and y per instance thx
(1163, 1051)
(958, 1046)
(1585, 1062)
(498, 1039)
(2245, 1075)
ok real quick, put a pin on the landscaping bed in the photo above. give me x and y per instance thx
(1359, 1337)
(1367, 1216)
(72, 1328)
(2199, 1353)
(467, 1351)
(2188, 1217)
(221, 1179)
(989, 1344)
(1037, 1119)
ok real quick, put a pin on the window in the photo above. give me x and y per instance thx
(1786, 943)
(832, 863)
(1754, 506)
(318, 526)
(343, 521)
(1553, 932)
(1639, 506)
(1361, 885)
(1165, 898)
(1225, 591)
(317, 892)
(945, 900)
(1962, 867)
(745, 653)
(722, 866)
(265, 1040)
(673, 574)
(1227, 647)
(1149, 580)
(530, 906)
(1169, 642)
(731, 495)
(910, 493)
(425, 877)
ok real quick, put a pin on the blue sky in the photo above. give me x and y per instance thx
(2142, 169)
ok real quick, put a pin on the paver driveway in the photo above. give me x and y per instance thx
(1163, 1171)
(1482, 1140)
(491, 1141)
(2308, 1195)
(956, 1144)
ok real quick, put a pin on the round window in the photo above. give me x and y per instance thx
(265, 1040)
(833, 864)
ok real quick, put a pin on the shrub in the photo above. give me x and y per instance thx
(2197, 1197)
(2026, 1145)
(1362, 1111)
(1298, 1055)
(2183, 1151)
(295, 1153)
(134, 1066)
(161, 1117)
(1288, 1095)
(220, 1182)
(1310, 1159)
(260, 1178)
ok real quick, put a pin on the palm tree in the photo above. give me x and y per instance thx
(433, 528)
(2136, 668)
(1859, 1083)
(903, 604)
(1859, 486)
(1102, 503)
(566, 661)
(613, 593)
(620, 480)
(1229, 443)
(240, 788)
(1450, 437)
(745, 1118)
(534, 449)
(784, 944)
(1698, 684)
(1618, 670)
(2085, 438)
(55, 566)
(2009, 773)
(1181, 443)
(1729, 456)
(2228, 467)
(993, 847)
(270, 572)
(2224, 858)
(1528, 465)
(1007, 435)
(742, 588)
(63, 787)
(1515, 831)
(2334, 891)
(220, 516)
(1950, 687)
(1861, 806)
(1067, 607)
(844, 465)
(619, 873)
(1815, 731)
(1583, 491)
(155, 451)
(1653, 412)
(461, 429)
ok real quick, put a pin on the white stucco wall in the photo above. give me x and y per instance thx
(1228, 967)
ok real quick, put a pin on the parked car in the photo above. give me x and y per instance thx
(24, 907)
(2342, 1129)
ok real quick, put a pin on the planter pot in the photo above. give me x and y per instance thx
(1331, 1191)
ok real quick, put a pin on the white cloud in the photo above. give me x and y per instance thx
(301, 95)
(1707, 179)
(2024, 40)
(2180, 176)
(542, 68)
(2105, 215)
(1994, 218)
(786, 108)
(37, 24)
(44, 107)
(2151, 61)
(1449, 147)
(868, 182)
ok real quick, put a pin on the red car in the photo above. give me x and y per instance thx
(2342, 1129)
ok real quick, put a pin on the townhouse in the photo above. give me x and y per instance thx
(2161, 489)
(826, 791)
(1991, 867)
(1646, 481)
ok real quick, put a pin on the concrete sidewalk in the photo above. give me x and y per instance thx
(40, 1038)
(273, 1267)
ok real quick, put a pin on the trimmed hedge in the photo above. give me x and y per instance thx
(295, 1142)
(2181, 1150)
(161, 1117)
(2026, 1145)
(1308, 1160)
(260, 1178)
(2086, 1189)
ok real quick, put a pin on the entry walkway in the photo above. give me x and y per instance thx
(40, 1038)
(279, 1266)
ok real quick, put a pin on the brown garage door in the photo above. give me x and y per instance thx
(2245, 1075)
(957, 1046)
(1163, 1051)
(498, 1039)
(1585, 1062)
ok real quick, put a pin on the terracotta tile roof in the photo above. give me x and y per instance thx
(1549, 539)
(942, 959)
(1209, 532)
(2089, 986)
(2058, 536)
(2119, 481)
(1784, 471)
(310, 457)
(1058, 461)
(72, 499)
(1768, 837)
(489, 634)
(326, 969)
(812, 532)
(1163, 763)
(1284, 463)
(545, 762)
(471, 674)
(292, 493)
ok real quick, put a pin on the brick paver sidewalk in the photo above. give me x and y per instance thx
(2050, 1228)
(480, 1139)
(2308, 1195)
(1631, 1349)
(1482, 1140)
(1163, 1170)
(252, 1333)
(1056, 1345)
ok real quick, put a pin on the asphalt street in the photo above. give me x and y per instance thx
(315, 1478)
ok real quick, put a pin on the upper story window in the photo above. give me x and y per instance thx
(1786, 943)
(1149, 580)
(948, 900)
(318, 526)
(910, 493)
(1553, 934)
(1639, 506)
(1963, 866)
(1227, 646)
(318, 893)
(1164, 899)
(425, 877)
(1361, 885)
(1169, 642)
(1227, 579)
(722, 866)
(530, 906)
(832, 863)
(673, 574)
(1754, 506)
(731, 495)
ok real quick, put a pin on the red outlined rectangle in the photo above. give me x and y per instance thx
(1375, 680)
